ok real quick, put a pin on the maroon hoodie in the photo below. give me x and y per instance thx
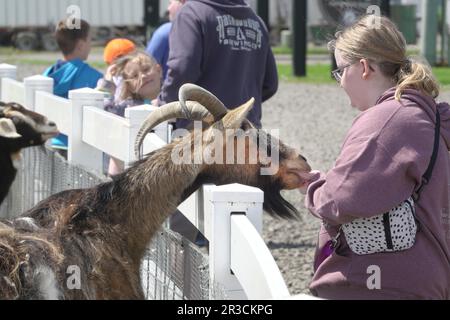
(385, 154)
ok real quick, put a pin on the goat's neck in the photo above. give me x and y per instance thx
(154, 188)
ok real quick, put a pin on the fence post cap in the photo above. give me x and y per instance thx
(143, 107)
(8, 71)
(37, 79)
(7, 66)
(86, 93)
(236, 193)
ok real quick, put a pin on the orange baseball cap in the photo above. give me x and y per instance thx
(117, 48)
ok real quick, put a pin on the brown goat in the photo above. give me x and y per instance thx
(104, 230)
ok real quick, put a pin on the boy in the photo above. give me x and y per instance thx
(72, 72)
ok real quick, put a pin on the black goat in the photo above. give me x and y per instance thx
(19, 128)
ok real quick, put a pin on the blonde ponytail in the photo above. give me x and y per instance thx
(419, 76)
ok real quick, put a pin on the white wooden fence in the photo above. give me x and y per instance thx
(229, 216)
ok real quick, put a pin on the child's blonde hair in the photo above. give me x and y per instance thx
(128, 90)
(384, 45)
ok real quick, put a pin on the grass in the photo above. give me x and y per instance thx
(316, 73)
(39, 62)
(314, 50)
(320, 74)
(443, 75)
(311, 50)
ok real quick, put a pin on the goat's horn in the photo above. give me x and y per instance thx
(193, 92)
(166, 112)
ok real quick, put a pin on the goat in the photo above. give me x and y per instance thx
(103, 231)
(20, 128)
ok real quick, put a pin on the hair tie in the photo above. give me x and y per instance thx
(406, 65)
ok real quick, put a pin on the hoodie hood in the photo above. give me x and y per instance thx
(428, 104)
(64, 75)
(232, 7)
(70, 75)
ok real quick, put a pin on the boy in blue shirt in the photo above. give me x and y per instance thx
(72, 72)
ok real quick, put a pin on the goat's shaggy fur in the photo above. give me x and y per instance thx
(105, 230)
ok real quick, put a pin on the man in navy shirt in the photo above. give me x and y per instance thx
(158, 46)
(222, 46)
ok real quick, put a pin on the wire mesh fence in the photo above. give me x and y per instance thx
(173, 268)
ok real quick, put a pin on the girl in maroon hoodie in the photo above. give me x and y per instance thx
(383, 158)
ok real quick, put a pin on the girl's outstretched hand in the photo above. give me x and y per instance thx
(315, 175)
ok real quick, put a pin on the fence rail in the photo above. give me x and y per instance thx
(13, 91)
(229, 216)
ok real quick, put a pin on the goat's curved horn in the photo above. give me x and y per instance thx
(193, 92)
(166, 112)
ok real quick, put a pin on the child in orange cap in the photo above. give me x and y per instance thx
(117, 48)
(114, 49)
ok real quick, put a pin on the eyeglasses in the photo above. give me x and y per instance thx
(337, 74)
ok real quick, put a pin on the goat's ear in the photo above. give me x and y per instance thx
(8, 129)
(234, 118)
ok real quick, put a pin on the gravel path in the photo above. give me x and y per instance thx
(313, 119)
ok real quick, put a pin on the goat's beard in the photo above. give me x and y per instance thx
(275, 204)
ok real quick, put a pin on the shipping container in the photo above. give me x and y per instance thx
(31, 23)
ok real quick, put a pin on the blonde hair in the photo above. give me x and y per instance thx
(122, 69)
(385, 45)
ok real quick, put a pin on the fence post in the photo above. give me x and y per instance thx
(33, 84)
(137, 116)
(220, 202)
(80, 153)
(7, 71)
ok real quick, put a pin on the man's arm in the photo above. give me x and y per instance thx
(270, 85)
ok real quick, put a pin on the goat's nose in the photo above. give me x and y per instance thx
(52, 124)
(302, 157)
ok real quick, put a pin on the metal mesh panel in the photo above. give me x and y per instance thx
(173, 268)
(41, 174)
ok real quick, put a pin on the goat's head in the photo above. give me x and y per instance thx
(34, 128)
(232, 150)
(8, 129)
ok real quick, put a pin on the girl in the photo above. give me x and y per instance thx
(141, 83)
(382, 163)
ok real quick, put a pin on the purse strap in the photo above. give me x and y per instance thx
(427, 175)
